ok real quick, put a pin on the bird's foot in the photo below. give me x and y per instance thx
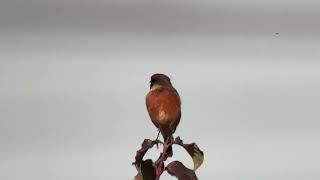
(157, 140)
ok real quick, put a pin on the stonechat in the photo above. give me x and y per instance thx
(164, 106)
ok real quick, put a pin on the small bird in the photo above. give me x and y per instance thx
(164, 106)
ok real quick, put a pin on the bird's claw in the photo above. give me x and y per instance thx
(157, 142)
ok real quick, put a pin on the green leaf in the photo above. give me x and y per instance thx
(193, 150)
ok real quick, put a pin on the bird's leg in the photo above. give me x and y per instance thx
(157, 139)
(158, 134)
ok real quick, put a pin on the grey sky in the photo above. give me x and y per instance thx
(73, 77)
(164, 17)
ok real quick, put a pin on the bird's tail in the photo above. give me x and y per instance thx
(167, 139)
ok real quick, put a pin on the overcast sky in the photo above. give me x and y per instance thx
(202, 17)
(74, 75)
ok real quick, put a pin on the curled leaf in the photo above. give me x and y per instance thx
(178, 170)
(146, 145)
(193, 150)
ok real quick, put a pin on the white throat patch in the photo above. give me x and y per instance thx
(155, 87)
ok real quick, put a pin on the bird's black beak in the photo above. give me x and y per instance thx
(151, 84)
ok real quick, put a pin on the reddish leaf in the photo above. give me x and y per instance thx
(178, 170)
(146, 145)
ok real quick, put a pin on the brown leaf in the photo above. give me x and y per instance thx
(194, 152)
(178, 170)
(146, 171)
(138, 176)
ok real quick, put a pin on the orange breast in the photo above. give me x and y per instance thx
(163, 106)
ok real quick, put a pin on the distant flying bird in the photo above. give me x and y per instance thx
(164, 106)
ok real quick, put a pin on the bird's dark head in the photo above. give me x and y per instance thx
(160, 80)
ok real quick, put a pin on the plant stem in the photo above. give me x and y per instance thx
(159, 164)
